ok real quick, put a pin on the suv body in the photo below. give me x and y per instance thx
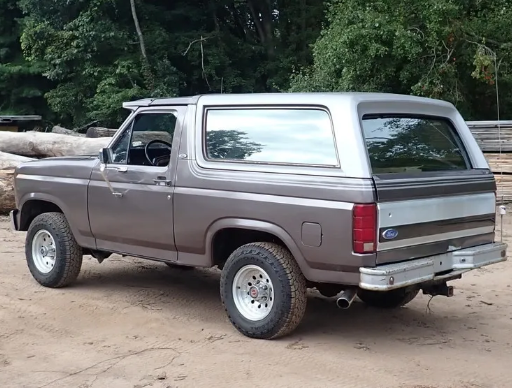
(378, 195)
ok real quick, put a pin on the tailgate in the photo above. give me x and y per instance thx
(431, 199)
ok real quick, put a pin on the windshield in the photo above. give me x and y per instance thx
(401, 144)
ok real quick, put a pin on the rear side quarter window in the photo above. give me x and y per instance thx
(301, 136)
(413, 144)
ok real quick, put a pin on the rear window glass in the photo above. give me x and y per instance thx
(412, 144)
(284, 136)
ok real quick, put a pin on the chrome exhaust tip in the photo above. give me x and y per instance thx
(346, 298)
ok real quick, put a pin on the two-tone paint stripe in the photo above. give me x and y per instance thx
(425, 221)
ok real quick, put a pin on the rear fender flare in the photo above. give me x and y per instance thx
(259, 226)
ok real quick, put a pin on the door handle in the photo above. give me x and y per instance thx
(118, 168)
(162, 181)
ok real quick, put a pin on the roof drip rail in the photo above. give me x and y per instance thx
(133, 105)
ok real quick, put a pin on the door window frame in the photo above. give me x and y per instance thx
(127, 125)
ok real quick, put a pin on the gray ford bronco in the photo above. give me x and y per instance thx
(377, 196)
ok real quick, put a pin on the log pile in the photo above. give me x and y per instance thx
(44, 145)
(7, 164)
(19, 147)
(496, 143)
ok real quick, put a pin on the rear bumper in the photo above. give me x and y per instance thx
(448, 265)
(14, 220)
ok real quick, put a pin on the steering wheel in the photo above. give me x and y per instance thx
(151, 143)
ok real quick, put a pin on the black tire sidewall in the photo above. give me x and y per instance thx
(282, 304)
(53, 277)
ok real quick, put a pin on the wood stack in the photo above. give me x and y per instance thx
(495, 140)
(19, 147)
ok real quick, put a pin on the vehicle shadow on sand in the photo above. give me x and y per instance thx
(195, 294)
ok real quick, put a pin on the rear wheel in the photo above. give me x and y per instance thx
(389, 299)
(263, 291)
(53, 256)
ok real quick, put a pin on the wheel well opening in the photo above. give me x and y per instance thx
(227, 240)
(32, 209)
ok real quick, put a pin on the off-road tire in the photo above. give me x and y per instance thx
(388, 299)
(289, 284)
(69, 254)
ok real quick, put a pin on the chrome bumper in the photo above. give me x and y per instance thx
(13, 216)
(391, 276)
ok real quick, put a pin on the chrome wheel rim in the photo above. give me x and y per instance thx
(253, 292)
(43, 251)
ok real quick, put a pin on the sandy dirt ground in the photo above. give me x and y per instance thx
(130, 323)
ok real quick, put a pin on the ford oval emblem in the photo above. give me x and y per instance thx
(390, 234)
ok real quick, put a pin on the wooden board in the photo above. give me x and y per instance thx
(499, 163)
(489, 137)
(504, 187)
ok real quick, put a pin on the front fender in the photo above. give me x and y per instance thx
(77, 218)
(42, 197)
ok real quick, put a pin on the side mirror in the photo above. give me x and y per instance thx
(104, 156)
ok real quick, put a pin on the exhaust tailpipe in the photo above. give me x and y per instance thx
(346, 298)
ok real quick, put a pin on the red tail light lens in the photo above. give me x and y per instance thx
(364, 228)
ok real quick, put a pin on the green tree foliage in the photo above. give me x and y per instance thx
(446, 49)
(83, 58)
(22, 85)
(91, 50)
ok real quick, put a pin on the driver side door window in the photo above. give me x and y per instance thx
(147, 141)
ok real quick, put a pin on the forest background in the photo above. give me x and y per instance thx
(75, 61)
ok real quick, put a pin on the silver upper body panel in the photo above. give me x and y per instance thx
(346, 111)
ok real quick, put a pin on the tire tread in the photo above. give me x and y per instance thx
(286, 267)
(70, 251)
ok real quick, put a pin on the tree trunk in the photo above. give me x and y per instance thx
(64, 131)
(7, 202)
(261, 11)
(146, 68)
(139, 31)
(95, 132)
(8, 161)
(41, 144)
(7, 164)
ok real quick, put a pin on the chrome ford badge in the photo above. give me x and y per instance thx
(390, 234)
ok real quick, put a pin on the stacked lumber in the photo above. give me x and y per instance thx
(495, 140)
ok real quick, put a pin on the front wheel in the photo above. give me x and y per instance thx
(263, 291)
(388, 299)
(54, 258)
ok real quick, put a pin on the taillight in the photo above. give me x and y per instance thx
(364, 228)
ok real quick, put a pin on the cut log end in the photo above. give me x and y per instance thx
(8, 163)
